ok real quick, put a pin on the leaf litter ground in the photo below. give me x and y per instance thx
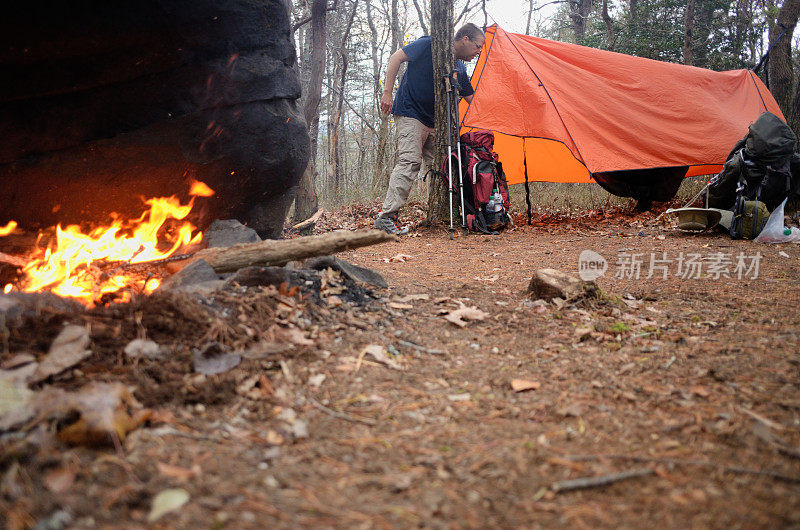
(377, 411)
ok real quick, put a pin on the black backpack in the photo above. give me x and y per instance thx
(763, 166)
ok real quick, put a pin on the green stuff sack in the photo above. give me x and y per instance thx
(749, 218)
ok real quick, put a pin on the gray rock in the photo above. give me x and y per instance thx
(213, 359)
(196, 272)
(552, 283)
(254, 276)
(16, 307)
(137, 98)
(229, 232)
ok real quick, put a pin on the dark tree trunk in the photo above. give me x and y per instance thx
(780, 57)
(443, 60)
(579, 13)
(609, 26)
(306, 202)
(688, 33)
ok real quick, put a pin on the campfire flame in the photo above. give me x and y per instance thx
(5, 230)
(77, 265)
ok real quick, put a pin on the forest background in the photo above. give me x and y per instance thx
(343, 46)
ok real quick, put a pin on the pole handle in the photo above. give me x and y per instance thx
(448, 87)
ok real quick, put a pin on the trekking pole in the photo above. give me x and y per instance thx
(456, 88)
(450, 191)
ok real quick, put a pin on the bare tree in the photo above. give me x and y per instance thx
(780, 56)
(609, 26)
(421, 17)
(579, 13)
(306, 202)
(338, 90)
(688, 30)
(530, 14)
(381, 169)
(443, 59)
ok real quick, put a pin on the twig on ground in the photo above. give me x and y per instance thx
(308, 222)
(342, 415)
(699, 463)
(766, 421)
(420, 348)
(602, 480)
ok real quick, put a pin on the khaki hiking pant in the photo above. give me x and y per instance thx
(415, 141)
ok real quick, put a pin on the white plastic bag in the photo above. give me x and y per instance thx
(774, 230)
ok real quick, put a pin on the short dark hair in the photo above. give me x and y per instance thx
(469, 30)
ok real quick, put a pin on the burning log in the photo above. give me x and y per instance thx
(16, 261)
(281, 252)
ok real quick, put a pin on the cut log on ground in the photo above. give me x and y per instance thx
(281, 252)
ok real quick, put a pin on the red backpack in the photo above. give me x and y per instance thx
(486, 198)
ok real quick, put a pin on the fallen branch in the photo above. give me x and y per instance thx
(308, 222)
(342, 415)
(594, 482)
(417, 347)
(699, 463)
(281, 252)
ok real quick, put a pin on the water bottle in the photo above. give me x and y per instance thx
(497, 200)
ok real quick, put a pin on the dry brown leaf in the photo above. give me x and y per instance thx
(521, 385)
(399, 258)
(396, 305)
(463, 314)
(333, 301)
(411, 298)
(700, 391)
(59, 480)
(178, 473)
(67, 350)
(104, 413)
(378, 352)
(273, 438)
(293, 335)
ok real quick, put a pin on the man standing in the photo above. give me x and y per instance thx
(413, 108)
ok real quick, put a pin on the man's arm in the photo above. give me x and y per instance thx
(399, 57)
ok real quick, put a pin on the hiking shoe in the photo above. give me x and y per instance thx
(388, 225)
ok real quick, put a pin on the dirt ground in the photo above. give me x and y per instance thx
(384, 414)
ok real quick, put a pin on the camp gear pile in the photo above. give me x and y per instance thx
(483, 182)
(564, 113)
(764, 164)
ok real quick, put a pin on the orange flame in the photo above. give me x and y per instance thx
(200, 189)
(5, 230)
(71, 267)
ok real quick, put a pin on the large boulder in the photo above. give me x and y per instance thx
(103, 103)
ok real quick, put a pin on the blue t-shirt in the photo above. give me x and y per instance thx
(415, 96)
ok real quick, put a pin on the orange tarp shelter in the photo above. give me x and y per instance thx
(568, 112)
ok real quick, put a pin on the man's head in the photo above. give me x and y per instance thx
(468, 42)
